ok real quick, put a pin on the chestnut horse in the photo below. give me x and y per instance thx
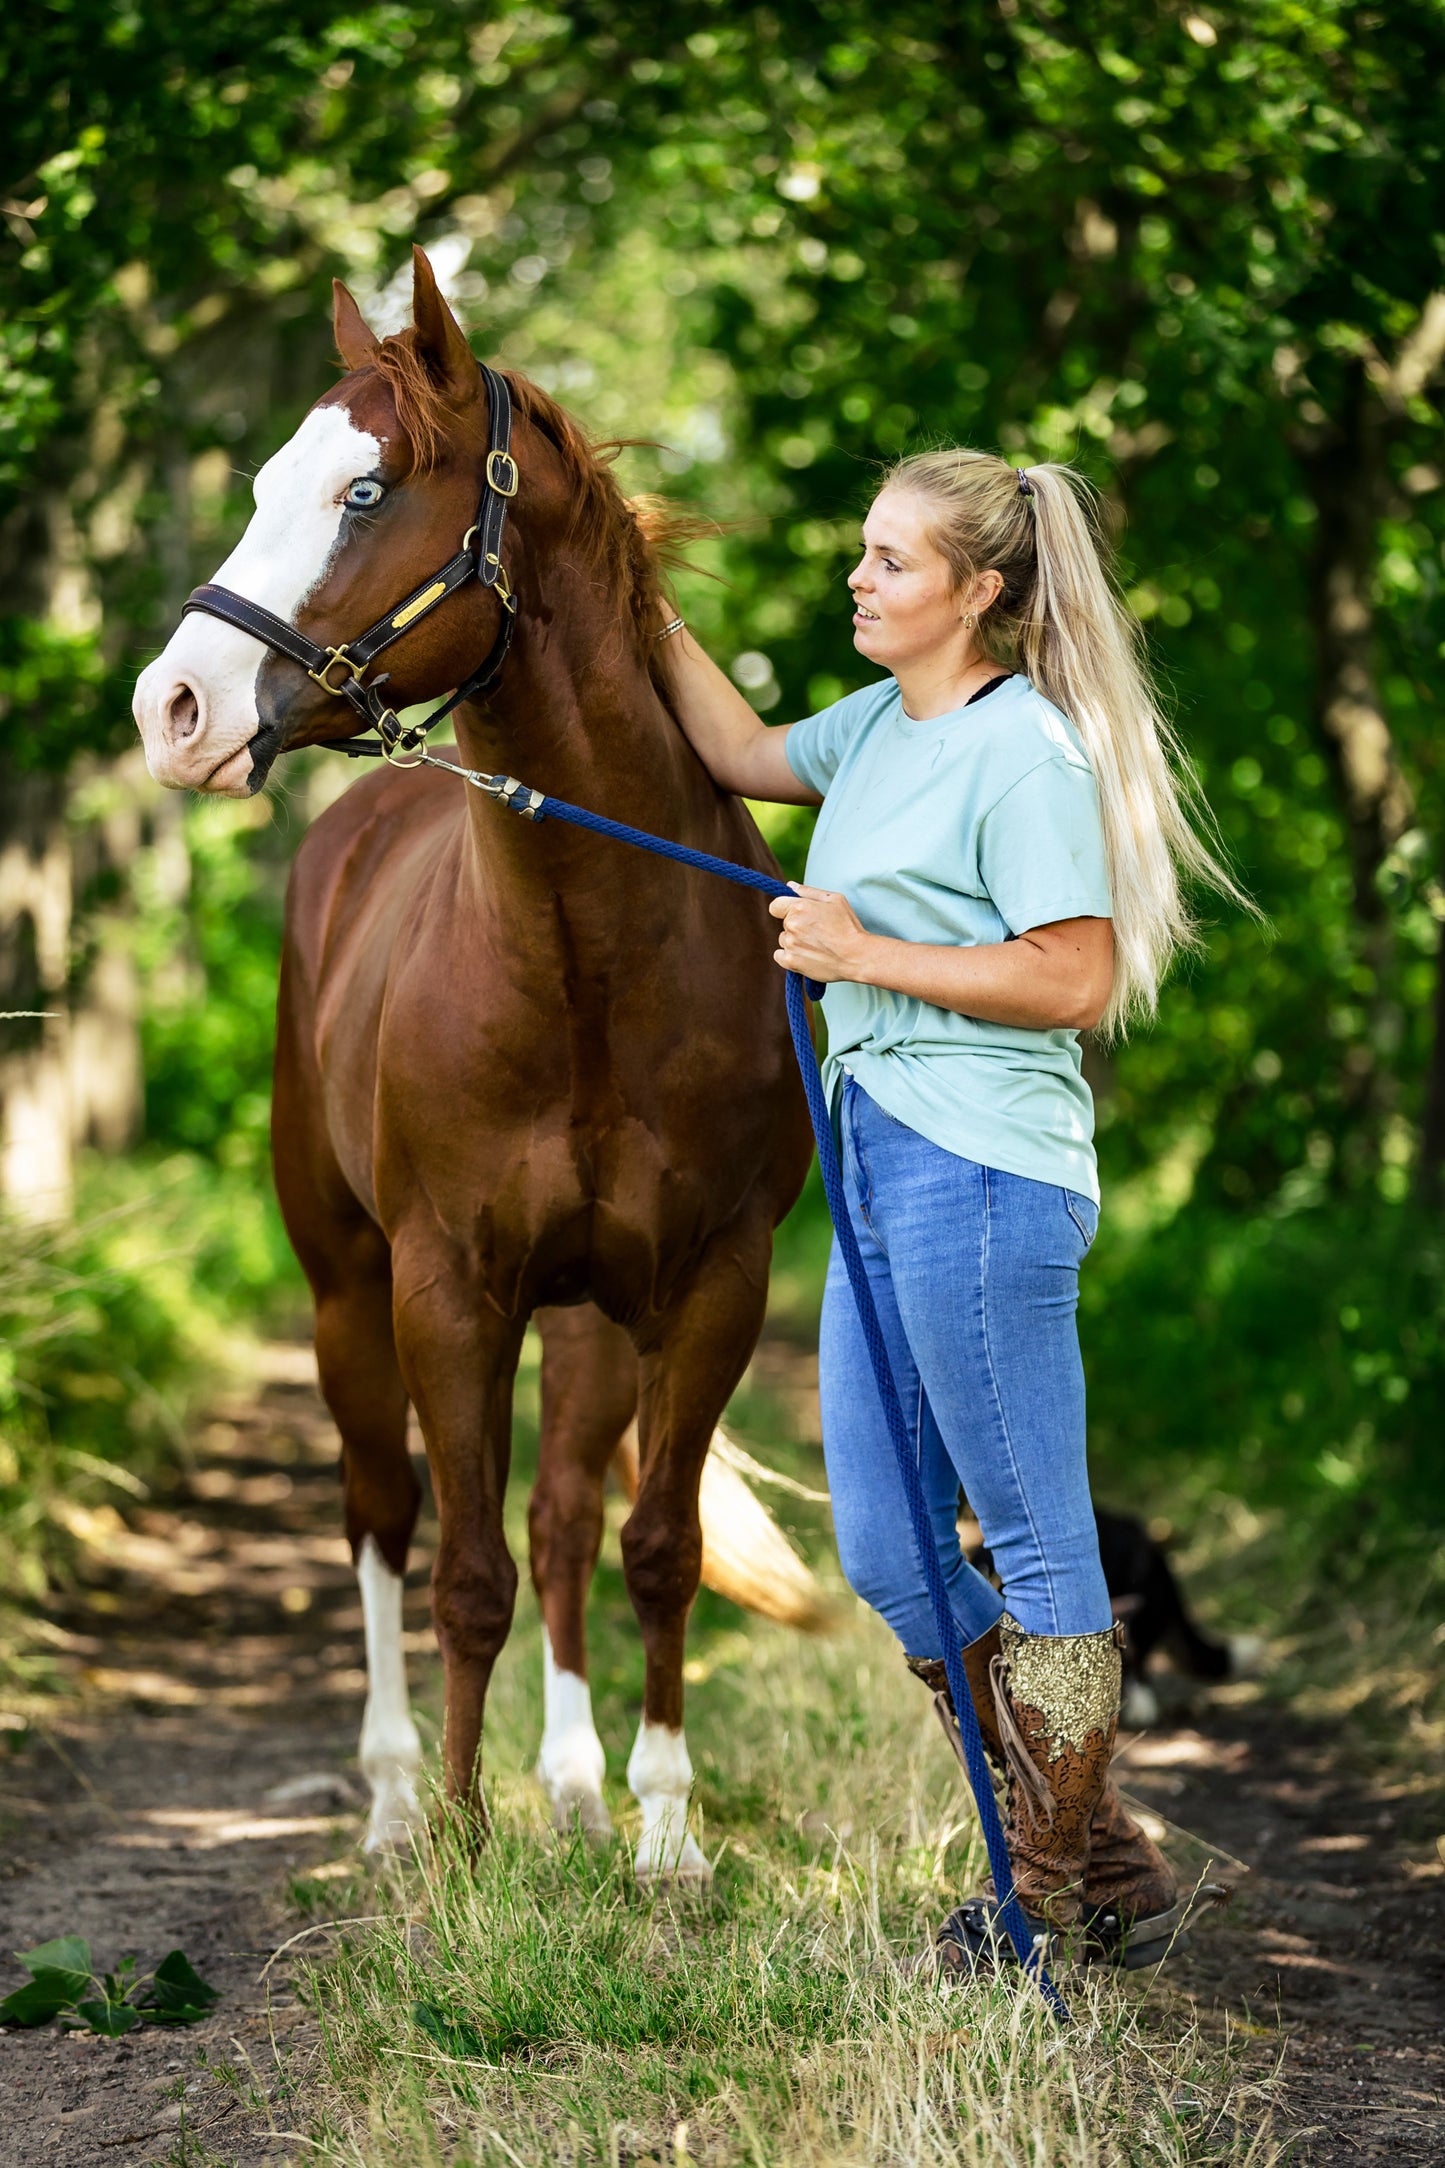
(518, 1070)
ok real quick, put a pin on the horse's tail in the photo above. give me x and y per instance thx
(745, 1555)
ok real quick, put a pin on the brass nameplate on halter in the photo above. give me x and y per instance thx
(423, 601)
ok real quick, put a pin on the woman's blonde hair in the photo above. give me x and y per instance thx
(1060, 619)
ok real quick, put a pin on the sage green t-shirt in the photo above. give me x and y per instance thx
(972, 827)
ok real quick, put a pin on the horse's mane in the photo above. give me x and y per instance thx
(628, 542)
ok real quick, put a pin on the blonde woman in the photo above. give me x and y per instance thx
(996, 868)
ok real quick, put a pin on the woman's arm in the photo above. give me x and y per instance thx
(738, 749)
(1051, 978)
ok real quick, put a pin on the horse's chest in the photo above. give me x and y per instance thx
(541, 1121)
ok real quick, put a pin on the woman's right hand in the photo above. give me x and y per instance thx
(739, 750)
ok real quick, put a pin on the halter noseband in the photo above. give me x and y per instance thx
(341, 671)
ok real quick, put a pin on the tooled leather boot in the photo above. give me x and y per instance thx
(1057, 1701)
(1127, 1880)
(1047, 1708)
(1128, 1883)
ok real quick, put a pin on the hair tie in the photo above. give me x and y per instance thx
(1026, 487)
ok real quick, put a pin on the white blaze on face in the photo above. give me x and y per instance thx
(659, 1774)
(195, 705)
(571, 1764)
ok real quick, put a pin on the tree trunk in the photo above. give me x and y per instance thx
(1346, 476)
(107, 1091)
(35, 892)
(1345, 473)
(1430, 1181)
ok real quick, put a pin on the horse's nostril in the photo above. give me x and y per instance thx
(185, 713)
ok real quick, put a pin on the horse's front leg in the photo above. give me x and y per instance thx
(459, 1357)
(589, 1393)
(688, 1370)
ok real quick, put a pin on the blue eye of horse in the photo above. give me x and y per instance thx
(365, 494)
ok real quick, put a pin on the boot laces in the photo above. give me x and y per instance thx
(1023, 1771)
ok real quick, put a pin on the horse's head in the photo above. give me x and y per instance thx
(376, 489)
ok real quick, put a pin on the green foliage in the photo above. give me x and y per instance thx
(60, 680)
(61, 1971)
(1155, 252)
(107, 1330)
(1296, 1361)
(212, 959)
(1195, 253)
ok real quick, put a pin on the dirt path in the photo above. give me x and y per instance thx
(210, 1755)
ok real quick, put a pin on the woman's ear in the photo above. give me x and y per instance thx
(983, 593)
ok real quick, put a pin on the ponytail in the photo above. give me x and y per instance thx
(1060, 619)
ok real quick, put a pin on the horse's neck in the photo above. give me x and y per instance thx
(576, 715)
(579, 718)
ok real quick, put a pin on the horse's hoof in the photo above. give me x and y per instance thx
(682, 1866)
(391, 1839)
(585, 1811)
(396, 1817)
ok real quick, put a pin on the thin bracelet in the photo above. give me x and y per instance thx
(678, 625)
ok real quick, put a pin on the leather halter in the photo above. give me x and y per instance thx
(341, 671)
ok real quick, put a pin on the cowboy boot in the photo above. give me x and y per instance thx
(1129, 1887)
(1055, 1702)
(1049, 1721)
(1056, 1697)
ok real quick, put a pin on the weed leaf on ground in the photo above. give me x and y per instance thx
(110, 2019)
(60, 1975)
(176, 1994)
(67, 1953)
(43, 1998)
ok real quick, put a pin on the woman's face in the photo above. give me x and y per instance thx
(905, 603)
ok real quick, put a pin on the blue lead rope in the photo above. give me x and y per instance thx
(533, 805)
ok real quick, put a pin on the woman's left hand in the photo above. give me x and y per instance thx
(821, 936)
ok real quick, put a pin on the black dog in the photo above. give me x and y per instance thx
(1145, 1595)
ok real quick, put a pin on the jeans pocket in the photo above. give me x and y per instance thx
(1085, 1215)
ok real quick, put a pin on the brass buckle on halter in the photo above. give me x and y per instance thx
(509, 487)
(322, 677)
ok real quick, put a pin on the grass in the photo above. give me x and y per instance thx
(529, 2003)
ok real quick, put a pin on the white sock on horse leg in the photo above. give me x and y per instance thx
(390, 1747)
(659, 1773)
(571, 1764)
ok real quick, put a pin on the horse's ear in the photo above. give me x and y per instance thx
(356, 342)
(440, 340)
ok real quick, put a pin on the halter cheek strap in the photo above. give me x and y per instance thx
(341, 671)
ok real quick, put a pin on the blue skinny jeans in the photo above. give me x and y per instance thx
(976, 1278)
